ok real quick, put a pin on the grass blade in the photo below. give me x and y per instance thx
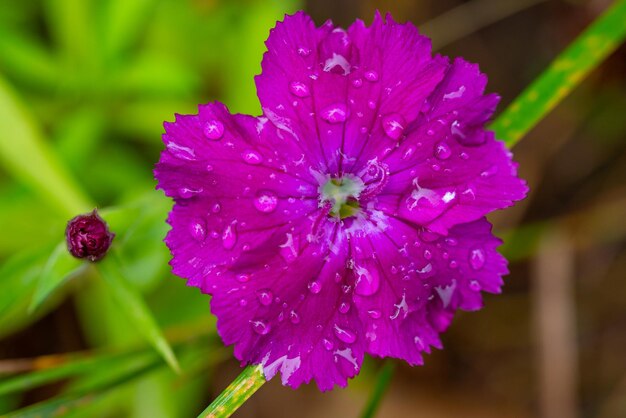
(29, 158)
(59, 267)
(133, 305)
(244, 386)
(382, 384)
(601, 38)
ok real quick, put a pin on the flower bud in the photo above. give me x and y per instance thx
(88, 236)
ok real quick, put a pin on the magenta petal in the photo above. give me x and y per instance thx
(287, 315)
(424, 279)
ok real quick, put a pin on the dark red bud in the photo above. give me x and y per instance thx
(88, 236)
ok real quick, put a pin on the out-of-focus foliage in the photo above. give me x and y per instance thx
(84, 89)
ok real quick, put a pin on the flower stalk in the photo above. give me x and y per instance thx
(244, 386)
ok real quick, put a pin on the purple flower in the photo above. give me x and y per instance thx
(350, 217)
(88, 236)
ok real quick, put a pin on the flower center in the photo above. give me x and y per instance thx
(342, 193)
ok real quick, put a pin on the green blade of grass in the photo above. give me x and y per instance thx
(30, 159)
(591, 47)
(59, 267)
(244, 386)
(134, 307)
(382, 384)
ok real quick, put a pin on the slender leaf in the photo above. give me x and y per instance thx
(29, 158)
(244, 386)
(382, 384)
(60, 266)
(134, 307)
(564, 74)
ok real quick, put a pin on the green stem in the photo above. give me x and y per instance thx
(591, 47)
(244, 386)
(382, 384)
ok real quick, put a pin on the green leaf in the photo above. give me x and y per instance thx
(30, 159)
(27, 60)
(583, 55)
(244, 386)
(60, 266)
(382, 384)
(134, 307)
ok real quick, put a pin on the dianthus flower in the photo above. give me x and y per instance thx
(350, 217)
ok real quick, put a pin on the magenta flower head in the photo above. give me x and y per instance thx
(88, 236)
(350, 217)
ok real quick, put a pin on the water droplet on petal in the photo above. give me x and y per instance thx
(374, 313)
(344, 335)
(266, 201)
(252, 157)
(477, 258)
(209, 168)
(243, 278)
(335, 113)
(344, 307)
(299, 89)
(428, 255)
(328, 344)
(294, 317)
(393, 125)
(475, 286)
(490, 171)
(265, 297)
(357, 82)
(216, 208)
(243, 302)
(197, 228)
(304, 51)
(260, 327)
(418, 343)
(371, 76)
(367, 281)
(214, 130)
(315, 287)
(229, 237)
(442, 151)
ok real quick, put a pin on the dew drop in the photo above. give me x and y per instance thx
(393, 125)
(374, 313)
(357, 82)
(265, 297)
(475, 286)
(371, 76)
(315, 287)
(344, 307)
(371, 104)
(294, 317)
(197, 228)
(209, 168)
(344, 335)
(418, 343)
(266, 201)
(477, 258)
(464, 155)
(186, 192)
(260, 327)
(252, 157)
(243, 278)
(428, 255)
(214, 130)
(367, 281)
(335, 113)
(303, 51)
(442, 151)
(328, 344)
(216, 208)
(229, 237)
(490, 171)
(243, 302)
(299, 89)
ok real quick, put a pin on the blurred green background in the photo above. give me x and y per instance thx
(84, 89)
